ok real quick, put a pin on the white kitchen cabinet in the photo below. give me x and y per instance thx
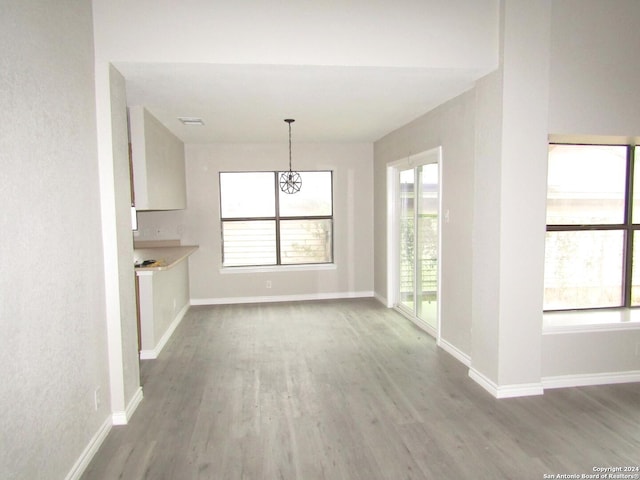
(157, 158)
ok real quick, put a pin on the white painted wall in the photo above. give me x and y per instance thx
(199, 224)
(403, 33)
(485, 277)
(171, 295)
(53, 347)
(586, 355)
(123, 243)
(523, 187)
(594, 73)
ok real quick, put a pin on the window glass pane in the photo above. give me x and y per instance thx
(407, 238)
(427, 244)
(249, 243)
(583, 269)
(305, 241)
(635, 275)
(586, 184)
(636, 187)
(235, 200)
(313, 199)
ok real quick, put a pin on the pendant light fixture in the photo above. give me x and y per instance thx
(290, 182)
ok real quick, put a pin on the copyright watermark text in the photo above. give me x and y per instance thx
(600, 473)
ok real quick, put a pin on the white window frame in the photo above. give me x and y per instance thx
(277, 218)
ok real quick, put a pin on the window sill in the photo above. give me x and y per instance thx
(279, 268)
(591, 321)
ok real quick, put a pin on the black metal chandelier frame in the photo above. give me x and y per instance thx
(290, 182)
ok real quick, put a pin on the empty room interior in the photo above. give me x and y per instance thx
(309, 240)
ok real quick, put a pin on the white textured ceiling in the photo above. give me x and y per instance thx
(248, 103)
(347, 71)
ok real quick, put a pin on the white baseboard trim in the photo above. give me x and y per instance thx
(455, 352)
(484, 382)
(588, 379)
(122, 417)
(418, 322)
(280, 298)
(89, 452)
(153, 354)
(382, 300)
(422, 325)
(506, 391)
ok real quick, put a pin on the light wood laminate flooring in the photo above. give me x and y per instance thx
(349, 390)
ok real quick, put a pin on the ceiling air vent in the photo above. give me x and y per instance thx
(191, 121)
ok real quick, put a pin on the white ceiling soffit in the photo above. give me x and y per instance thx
(248, 103)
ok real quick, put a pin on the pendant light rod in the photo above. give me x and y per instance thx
(289, 121)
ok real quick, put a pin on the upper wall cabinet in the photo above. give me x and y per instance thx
(157, 157)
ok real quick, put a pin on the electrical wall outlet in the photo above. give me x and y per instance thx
(96, 398)
(268, 284)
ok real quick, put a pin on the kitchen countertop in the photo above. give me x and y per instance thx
(165, 257)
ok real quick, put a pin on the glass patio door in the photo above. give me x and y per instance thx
(418, 243)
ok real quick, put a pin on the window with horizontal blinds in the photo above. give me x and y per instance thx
(263, 226)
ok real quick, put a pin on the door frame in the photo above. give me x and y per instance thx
(431, 156)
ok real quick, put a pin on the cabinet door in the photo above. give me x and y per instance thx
(157, 156)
